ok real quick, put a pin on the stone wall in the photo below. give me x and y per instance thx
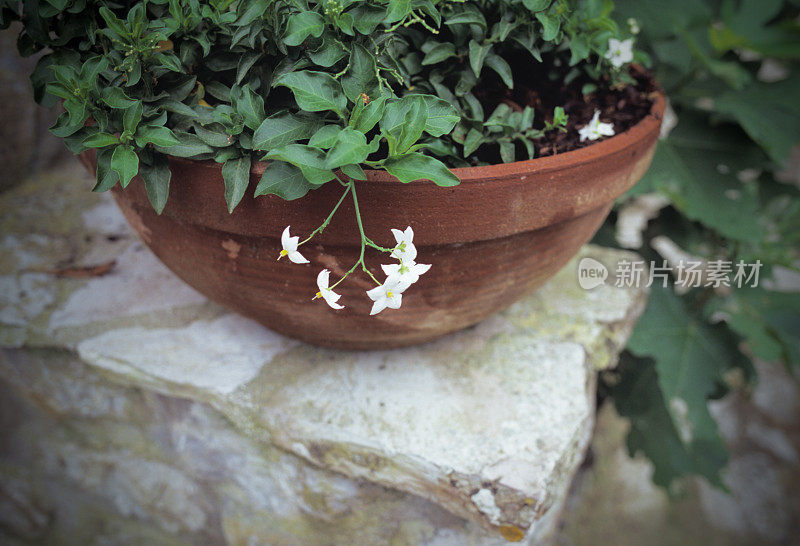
(135, 411)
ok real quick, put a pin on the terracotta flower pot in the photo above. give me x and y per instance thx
(493, 239)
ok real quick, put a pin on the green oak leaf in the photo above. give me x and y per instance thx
(691, 357)
(696, 167)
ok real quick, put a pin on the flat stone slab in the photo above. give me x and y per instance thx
(488, 424)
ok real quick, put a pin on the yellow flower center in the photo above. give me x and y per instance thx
(389, 294)
(319, 295)
(284, 252)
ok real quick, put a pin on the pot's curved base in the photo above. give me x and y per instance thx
(491, 240)
(468, 282)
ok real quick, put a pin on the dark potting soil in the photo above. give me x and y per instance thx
(623, 105)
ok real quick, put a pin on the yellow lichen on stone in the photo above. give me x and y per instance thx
(512, 533)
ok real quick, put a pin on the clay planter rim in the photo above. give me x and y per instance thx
(483, 173)
(523, 196)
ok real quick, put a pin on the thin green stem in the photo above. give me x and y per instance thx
(328, 219)
(364, 241)
(360, 224)
(378, 247)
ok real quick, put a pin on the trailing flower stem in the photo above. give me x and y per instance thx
(330, 216)
(364, 240)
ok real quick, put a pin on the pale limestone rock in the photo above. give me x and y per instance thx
(466, 440)
(218, 355)
(141, 284)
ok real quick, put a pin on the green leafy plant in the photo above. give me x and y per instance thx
(319, 90)
(730, 71)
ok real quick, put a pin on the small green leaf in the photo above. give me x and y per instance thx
(315, 91)
(350, 147)
(550, 25)
(214, 135)
(329, 53)
(107, 178)
(413, 125)
(236, 174)
(325, 137)
(170, 61)
(537, 5)
(246, 62)
(477, 55)
(156, 181)
(366, 18)
(416, 166)
(160, 136)
(116, 98)
(309, 159)
(132, 117)
(284, 180)
(125, 163)
(113, 22)
(370, 115)
(345, 22)
(71, 121)
(468, 15)
(301, 26)
(473, 140)
(579, 49)
(439, 53)
(100, 140)
(398, 10)
(284, 128)
(250, 11)
(249, 105)
(499, 65)
(354, 171)
(361, 74)
(188, 145)
(507, 152)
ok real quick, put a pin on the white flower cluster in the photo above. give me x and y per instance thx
(399, 276)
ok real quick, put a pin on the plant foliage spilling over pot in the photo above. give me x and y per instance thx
(329, 94)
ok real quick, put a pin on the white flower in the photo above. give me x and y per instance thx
(330, 297)
(596, 128)
(620, 53)
(633, 25)
(290, 248)
(404, 273)
(389, 294)
(405, 251)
